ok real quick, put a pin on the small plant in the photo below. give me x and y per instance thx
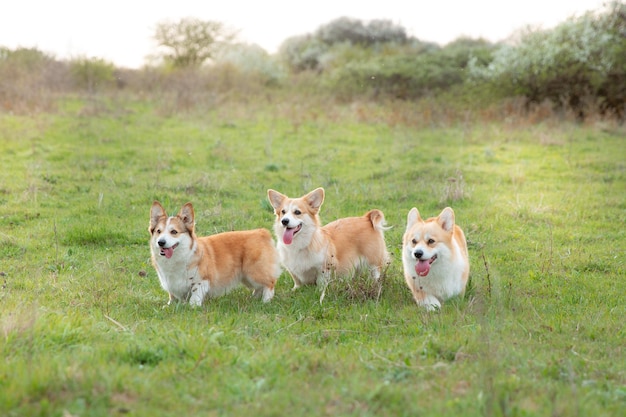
(358, 286)
(455, 189)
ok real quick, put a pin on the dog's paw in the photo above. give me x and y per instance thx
(268, 294)
(430, 303)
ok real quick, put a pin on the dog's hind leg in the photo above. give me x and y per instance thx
(374, 272)
(268, 294)
(264, 293)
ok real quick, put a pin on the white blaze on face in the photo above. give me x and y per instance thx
(291, 223)
(422, 253)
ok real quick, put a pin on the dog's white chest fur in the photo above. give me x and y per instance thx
(301, 260)
(178, 279)
(303, 263)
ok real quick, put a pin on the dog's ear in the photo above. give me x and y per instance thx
(412, 218)
(275, 198)
(156, 213)
(186, 214)
(446, 219)
(315, 199)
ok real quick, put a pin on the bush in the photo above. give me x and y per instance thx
(252, 61)
(579, 64)
(309, 52)
(29, 78)
(302, 53)
(92, 73)
(405, 72)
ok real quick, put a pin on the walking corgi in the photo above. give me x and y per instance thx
(191, 268)
(311, 252)
(435, 258)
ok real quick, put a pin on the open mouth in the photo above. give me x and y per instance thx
(290, 233)
(168, 252)
(422, 267)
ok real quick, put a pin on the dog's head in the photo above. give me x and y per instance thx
(168, 233)
(295, 216)
(425, 242)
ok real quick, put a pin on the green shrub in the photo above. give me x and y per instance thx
(92, 73)
(309, 52)
(579, 65)
(406, 73)
(302, 53)
(28, 79)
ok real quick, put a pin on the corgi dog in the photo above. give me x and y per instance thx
(192, 268)
(311, 252)
(435, 258)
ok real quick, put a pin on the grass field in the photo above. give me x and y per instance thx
(84, 326)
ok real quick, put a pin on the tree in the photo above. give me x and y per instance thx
(190, 42)
(302, 53)
(354, 31)
(314, 51)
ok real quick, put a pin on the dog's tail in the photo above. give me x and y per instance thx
(377, 218)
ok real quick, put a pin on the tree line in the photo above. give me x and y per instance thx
(578, 66)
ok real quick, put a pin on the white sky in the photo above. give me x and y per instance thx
(121, 31)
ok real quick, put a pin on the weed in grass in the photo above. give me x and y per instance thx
(358, 286)
(454, 190)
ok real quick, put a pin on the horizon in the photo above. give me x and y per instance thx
(122, 32)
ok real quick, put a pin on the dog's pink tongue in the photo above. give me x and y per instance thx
(422, 268)
(168, 252)
(288, 236)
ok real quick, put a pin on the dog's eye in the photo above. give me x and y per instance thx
(414, 241)
(431, 241)
(297, 212)
(283, 211)
(158, 231)
(174, 232)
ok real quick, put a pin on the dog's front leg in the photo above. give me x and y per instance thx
(199, 290)
(297, 282)
(428, 301)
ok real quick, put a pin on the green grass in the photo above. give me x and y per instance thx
(84, 326)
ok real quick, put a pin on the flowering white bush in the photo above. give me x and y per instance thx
(252, 60)
(570, 64)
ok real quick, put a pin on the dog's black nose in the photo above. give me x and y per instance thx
(161, 242)
(285, 222)
(418, 253)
